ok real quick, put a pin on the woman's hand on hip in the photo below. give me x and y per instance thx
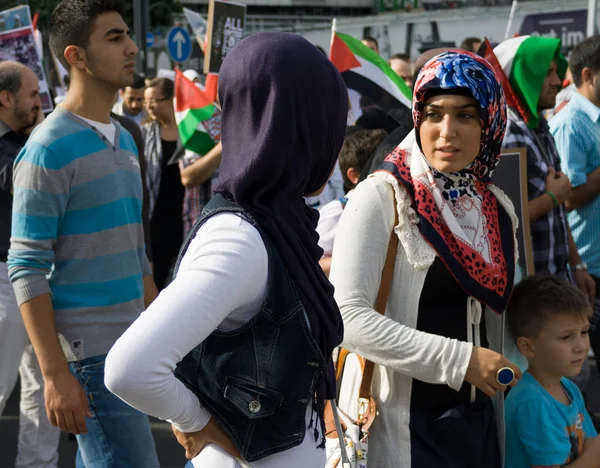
(483, 369)
(212, 433)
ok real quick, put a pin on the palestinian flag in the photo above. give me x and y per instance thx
(526, 61)
(487, 52)
(367, 73)
(193, 108)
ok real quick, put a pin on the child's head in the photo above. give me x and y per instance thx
(358, 147)
(548, 319)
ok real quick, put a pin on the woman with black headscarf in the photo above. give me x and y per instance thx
(235, 352)
(438, 350)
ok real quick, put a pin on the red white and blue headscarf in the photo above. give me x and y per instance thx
(459, 215)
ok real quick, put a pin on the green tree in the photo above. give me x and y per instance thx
(160, 16)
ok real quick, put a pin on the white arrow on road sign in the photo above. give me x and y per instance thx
(179, 44)
(180, 40)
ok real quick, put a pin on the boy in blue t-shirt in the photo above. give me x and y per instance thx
(547, 424)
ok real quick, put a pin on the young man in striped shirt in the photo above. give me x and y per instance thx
(77, 259)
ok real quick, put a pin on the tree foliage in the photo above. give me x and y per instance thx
(159, 14)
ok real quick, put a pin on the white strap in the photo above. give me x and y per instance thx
(340, 432)
(243, 463)
(474, 312)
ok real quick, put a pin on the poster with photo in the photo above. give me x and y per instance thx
(226, 22)
(15, 18)
(17, 42)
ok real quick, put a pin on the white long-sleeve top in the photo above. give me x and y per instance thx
(392, 342)
(221, 283)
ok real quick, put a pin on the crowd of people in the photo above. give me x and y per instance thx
(253, 263)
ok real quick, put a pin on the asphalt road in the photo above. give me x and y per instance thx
(170, 453)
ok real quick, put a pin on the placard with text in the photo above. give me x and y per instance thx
(226, 22)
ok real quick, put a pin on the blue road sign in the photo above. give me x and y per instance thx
(149, 40)
(179, 44)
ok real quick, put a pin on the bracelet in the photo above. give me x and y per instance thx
(579, 267)
(551, 195)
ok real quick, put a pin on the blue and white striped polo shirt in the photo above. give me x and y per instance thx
(576, 130)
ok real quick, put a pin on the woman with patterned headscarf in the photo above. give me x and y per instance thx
(439, 347)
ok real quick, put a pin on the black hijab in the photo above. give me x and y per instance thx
(284, 116)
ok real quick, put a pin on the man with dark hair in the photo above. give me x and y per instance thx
(576, 130)
(20, 110)
(471, 44)
(371, 43)
(131, 104)
(77, 260)
(585, 55)
(402, 65)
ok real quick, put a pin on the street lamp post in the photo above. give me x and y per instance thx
(140, 28)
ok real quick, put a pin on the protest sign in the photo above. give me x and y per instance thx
(226, 22)
(17, 42)
(510, 175)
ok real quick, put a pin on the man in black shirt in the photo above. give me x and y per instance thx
(20, 111)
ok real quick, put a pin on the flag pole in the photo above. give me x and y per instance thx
(333, 29)
(511, 17)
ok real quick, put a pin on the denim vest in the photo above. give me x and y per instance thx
(257, 380)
